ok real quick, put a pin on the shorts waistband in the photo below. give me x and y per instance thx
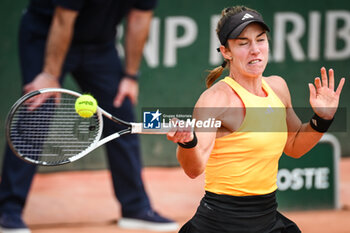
(238, 204)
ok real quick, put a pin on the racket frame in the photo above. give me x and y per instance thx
(27, 96)
(132, 127)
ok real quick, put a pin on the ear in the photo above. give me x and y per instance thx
(226, 53)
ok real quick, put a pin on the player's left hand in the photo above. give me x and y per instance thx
(127, 88)
(323, 99)
(179, 134)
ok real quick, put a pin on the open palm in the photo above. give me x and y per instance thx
(323, 99)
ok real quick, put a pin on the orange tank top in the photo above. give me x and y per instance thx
(245, 162)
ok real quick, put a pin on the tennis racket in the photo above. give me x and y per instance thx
(43, 128)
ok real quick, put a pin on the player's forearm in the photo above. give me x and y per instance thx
(136, 36)
(302, 141)
(59, 40)
(192, 161)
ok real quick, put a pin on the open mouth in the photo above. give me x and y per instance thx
(255, 61)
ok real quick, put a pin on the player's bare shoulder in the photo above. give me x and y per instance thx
(221, 103)
(279, 86)
(218, 95)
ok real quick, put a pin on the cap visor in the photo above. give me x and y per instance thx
(238, 30)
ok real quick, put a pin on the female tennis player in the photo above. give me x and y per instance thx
(240, 159)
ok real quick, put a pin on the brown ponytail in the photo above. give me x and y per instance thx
(214, 74)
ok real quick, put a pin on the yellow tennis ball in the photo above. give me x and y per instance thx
(86, 106)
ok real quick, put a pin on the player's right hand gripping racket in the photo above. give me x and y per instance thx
(43, 128)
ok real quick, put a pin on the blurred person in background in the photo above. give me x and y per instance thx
(78, 37)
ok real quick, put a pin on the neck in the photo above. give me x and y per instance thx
(251, 84)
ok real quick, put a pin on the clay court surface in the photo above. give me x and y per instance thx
(83, 202)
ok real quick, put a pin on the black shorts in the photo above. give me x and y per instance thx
(231, 214)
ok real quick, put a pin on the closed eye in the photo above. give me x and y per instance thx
(261, 37)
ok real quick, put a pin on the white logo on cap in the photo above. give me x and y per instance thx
(247, 16)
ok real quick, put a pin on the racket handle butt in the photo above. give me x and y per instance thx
(139, 129)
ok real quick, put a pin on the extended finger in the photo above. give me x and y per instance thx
(324, 77)
(133, 99)
(331, 79)
(340, 86)
(57, 97)
(318, 83)
(312, 91)
(35, 102)
(119, 99)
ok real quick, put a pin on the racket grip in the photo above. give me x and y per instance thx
(139, 129)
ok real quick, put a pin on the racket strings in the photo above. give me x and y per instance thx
(52, 132)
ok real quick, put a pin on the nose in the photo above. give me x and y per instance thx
(254, 48)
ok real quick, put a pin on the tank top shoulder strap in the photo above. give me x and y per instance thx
(272, 94)
(235, 86)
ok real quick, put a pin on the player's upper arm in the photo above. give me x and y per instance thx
(210, 105)
(194, 160)
(294, 124)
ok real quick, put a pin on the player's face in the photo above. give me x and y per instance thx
(249, 51)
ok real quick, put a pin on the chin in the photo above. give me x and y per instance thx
(255, 73)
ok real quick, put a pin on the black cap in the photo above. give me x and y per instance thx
(236, 24)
